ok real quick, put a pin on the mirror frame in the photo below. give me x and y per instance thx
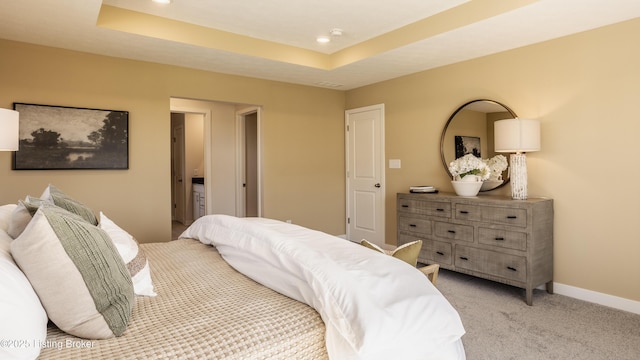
(446, 126)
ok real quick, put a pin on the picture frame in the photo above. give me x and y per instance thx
(71, 138)
(467, 145)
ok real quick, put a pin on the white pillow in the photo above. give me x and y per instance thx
(5, 215)
(23, 321)
(132, 255)
(22, 214)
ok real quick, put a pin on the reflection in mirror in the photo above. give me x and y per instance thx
(470, 130)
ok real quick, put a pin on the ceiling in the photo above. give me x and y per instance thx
(275, 39)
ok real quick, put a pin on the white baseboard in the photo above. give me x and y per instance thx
(597, 298)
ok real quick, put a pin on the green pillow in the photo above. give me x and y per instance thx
(53, 194)
(76, 271)
(407, 252)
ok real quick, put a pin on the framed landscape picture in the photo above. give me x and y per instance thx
(64, 138)
(467, 145)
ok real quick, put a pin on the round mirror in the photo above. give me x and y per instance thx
(469, 130)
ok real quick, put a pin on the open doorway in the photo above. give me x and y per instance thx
(248, 163)
(232, 156)
(188, 168)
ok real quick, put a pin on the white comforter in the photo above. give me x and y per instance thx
(374, 306)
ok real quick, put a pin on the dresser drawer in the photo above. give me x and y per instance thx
(405, 238)
(413, 224)
(468, 212)
(432, 251)
(453, 231)
(506, 266)
(503, 238)
(503, 215)
(439, 252)
(431, 208)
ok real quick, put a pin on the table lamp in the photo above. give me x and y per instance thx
(8, 130)
(517, 136)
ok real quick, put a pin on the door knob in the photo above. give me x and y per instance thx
(377, 185)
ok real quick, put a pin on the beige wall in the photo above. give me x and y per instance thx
(302, 136)
(194, 155)
(194, 138)
(585, 90)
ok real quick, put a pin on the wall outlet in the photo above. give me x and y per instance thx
(289, 221)
(195, 172)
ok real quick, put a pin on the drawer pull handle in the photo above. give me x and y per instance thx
(499, 239)
(440, 253)
(451, 231)
(512, 217)
(464, 258)
(512, 268)
(439, 209)
(405, 206)
(413, 225)
(464, 212)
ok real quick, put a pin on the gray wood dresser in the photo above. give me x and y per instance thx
(492, 237)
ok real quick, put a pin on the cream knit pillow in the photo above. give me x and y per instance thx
(77, 273)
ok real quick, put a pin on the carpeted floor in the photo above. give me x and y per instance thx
(500, 325)
(177, 228)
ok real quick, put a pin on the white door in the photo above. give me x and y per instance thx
(365, 174)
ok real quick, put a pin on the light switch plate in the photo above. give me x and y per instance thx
(394, 164)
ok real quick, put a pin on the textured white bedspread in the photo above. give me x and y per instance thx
(374, 306)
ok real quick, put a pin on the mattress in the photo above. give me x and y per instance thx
(204, 309)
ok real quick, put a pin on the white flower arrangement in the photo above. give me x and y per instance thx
(497, 165)
(469, 165)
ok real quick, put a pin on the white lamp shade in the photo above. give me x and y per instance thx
(517, 135)
(8, 130)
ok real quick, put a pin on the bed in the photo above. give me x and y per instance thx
(230, 288)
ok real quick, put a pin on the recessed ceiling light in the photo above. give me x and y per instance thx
(335, 32)
(162, 1)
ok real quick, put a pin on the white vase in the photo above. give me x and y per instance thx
(467, 188)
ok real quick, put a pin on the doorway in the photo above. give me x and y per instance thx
(248, 163)
(228, 129)
(188, 166)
